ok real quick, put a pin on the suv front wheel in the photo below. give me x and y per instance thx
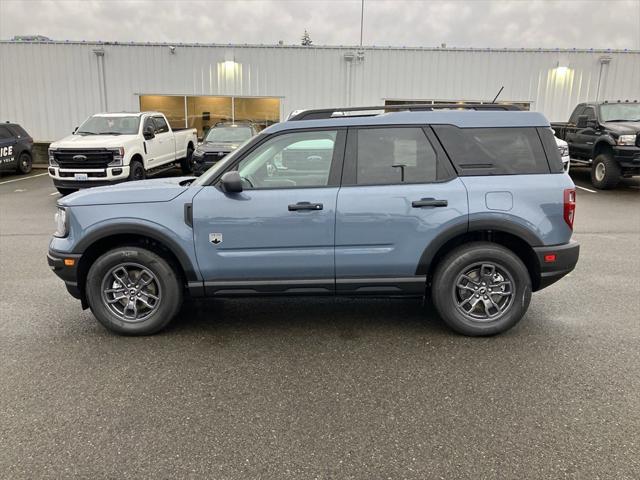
(133, 291)
(481, 289)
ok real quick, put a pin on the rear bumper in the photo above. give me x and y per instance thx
(566, 258)
(68, 273)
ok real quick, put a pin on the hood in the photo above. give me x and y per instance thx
(623, 128)
(143, 191)
(218, 146)
(92, 141)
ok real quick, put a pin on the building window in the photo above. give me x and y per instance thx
(204, 111)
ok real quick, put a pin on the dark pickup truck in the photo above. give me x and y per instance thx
(605, 136)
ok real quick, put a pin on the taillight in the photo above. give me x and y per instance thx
(569, 206)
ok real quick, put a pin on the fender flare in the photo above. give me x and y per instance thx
(139, 227)
(483, 222)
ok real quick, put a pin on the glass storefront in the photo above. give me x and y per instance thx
(203, 112)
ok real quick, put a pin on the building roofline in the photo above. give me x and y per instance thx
(318, 47)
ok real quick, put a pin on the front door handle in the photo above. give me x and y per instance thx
(294, 207)
(429, 202)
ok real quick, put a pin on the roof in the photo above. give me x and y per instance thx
(99, 43)
(458, 118)
(125, 114)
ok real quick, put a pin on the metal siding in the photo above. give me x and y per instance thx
(57, 85)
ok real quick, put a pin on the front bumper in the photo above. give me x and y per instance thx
(627, 156)
(565, 258)
(65, 178)
(68, 273)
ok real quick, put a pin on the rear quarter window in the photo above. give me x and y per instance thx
(493, 151)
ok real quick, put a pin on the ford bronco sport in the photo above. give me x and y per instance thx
(470, 208)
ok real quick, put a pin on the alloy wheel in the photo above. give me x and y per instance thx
(483, 292)
(131, 292)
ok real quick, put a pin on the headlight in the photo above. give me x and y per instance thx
(564, 151)
(52, 158)
(626, 140)
(118, 154)
(61, 223)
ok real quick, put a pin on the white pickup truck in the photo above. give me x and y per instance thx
(115, 147)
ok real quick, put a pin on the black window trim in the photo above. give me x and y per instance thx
(349, 176)
(335, 171)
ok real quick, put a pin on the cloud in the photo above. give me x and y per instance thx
(480, 23)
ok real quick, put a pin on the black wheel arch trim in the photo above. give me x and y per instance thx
(141, 229)
(481, 223)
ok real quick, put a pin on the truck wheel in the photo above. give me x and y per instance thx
(133, 291)
(481, 289)
(605, 172)
(25, 163)
(65, 191)
(137, 171)
(186, 164)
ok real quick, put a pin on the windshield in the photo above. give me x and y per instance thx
(111, 125)
(216, 168)
(228, 134)
(620, 112)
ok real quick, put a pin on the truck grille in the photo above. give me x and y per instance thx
(212, 157)
(94, 158)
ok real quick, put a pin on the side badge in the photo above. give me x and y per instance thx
(215, 238)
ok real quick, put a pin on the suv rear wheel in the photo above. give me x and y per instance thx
(25, 163)
(605, 172)
(481, 289)
(133, 291)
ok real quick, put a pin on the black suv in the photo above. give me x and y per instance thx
(219, 141)
(15, 149)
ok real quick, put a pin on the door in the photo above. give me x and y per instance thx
(585, 137)
(8, 152)
(166, 141)
(398, 193)
(277, 235)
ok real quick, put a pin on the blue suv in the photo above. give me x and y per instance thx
(468, 207)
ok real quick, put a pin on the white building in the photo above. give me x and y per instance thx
(51, 87)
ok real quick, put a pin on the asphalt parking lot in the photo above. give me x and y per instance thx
(323, 388)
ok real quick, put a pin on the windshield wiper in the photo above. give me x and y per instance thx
(621, 120)
(87, 133)
(110, 133)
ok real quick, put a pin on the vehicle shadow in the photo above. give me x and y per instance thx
(277, 316)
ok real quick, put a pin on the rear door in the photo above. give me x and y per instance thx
(8, 153)
(398, 193)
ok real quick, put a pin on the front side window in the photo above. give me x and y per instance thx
(161, 125)
(494, 151)
(394, 155)
(110, 125)
(590, 113)
(5, 133)
(292, 160)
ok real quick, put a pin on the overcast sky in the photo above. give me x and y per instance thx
(459, 23)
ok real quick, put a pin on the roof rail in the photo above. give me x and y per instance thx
(323, 113)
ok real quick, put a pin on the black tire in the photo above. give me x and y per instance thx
(137, 171)
(186, 164)
(25, 163)
(447, 297)
(166, 286)
(605, 172)
(65, 191)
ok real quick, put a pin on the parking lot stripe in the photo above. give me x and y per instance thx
(586, 189)
(24, 178)
(54, 193)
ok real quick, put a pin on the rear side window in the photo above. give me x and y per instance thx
(5, 133)
(394, 155)
(493, 151)
(551, 149)
(18, 131)
(161, 125)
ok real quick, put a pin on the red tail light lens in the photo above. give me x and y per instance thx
(569, 206)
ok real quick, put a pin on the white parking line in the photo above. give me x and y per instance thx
(54, 193)
(586, 189)
(24, 178)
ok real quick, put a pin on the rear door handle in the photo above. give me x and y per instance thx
(429, 202)
(294, 207)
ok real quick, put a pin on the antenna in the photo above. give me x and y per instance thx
(497, 94)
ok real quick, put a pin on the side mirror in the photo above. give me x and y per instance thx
(148, 132)
(582, 121)
(75, 130)
(231, 182)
